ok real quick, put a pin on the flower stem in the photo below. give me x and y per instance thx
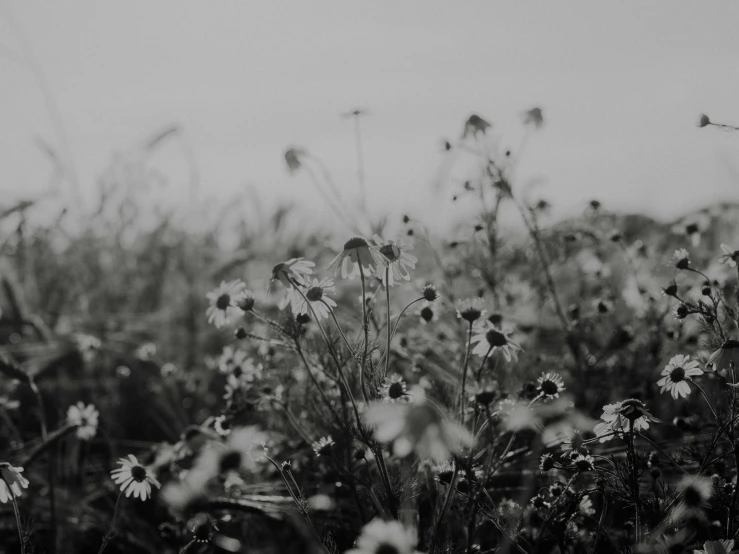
(109, 533)
(50, 462)
(444, 507)
(464, 373)
(365, 327)
(387, 296)
(17, 516)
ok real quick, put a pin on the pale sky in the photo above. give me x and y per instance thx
(621, 84)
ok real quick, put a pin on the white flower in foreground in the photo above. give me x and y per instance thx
(224, 302)
(134, 478)
(622, 417)
(356, 251)
(84, 418)
(385, 537)
(11, 482)
(489, 340)
(398, 261)
(316, 296)
(730, 256)
(677, 374)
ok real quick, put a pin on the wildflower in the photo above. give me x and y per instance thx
(11, 482)
(202, 527)
(670, 289)
(533, 117)
(302, 319)
(622, 417)
(546, 462)
(556, 489)
(292, 272)
(134, 478)
(706, 289)
(539, 502)
(550, 385)
(393, 389)
(717, 547)
(222, 426)
(356, 251)
(703, 121)
(428, 314)
(247, 301)
(397, 260)
(224, 302)
(430, 293)
(586, 506)
(603, 305)
(474, 125)
(316, 298)
(385, 537)
(730, 256)
(584, 462)
(237, 363)
(726, 357)
(323, 446)
(85, 418)
(485, 395)
(681, 311)
(696, 492)
(490, 339)
(470, 309)
(443, 472)
(682, 258)
(418, 426)
(676, 374)
(236, 456)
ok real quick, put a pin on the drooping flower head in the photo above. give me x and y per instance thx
(550, 385)
(293, 271)
(726, 357)
(224, 302)
(323, 446)
(394, 389)
(84, 418)
(385, 537)
(470, 309)
(622, 417)
(11, 482)
(489, 339)
(356, 251)
(677, 374)
(427, 313)
(134, 478)
(681, 258)
(730, 256)
(430, 293)
(317, 298)
(397, 260)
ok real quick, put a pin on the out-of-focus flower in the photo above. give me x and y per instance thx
(489, 340)
(550, 385)
(603, 305)
(681, 311)
(84, 418)
(323, 446)
(586, 506)
(397, 260)
(443, 472)
(726, 357)
(202, 527)
(475, 125)
(317, 298)
(417, 426)
(292, 271)
(584, 462)
(11, 482)
(730, 256)
(224, 302)
(294, 158)
(696, 492)
(670, 289)
(134, 478)
(546, 462)
(676, 375)
(430, 293)
(703, 120)
(237, 363)
(428, 314)
(717, 547)
(470, 309)
(622, 417)
(681, 258)
(385, 537)
(394, 389)
(533, 117)
(222, 426)
(356, 251)
(88, 346)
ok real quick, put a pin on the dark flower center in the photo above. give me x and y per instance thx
(430, 293)
(583, 464)
(223, 302)
(247, 304)
(395, 390)
(314, 294)
(325, 449)
(485, 396)
(692, 497)
(138, 473)
(356, 242)
(471, 314)
(390, 251)
(385, 548)
(276, 270)
(549, 387)
(230, 461)
(427, 314)
(496, 338)
(691, 228)
(237, 371)
(677, 375)
(201, 529)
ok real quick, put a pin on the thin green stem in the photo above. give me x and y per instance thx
(464, 373)
(444, 507)
(109, 533)
(17, 515)
(365, 328)
(387, 297)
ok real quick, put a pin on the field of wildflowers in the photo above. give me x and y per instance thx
(568, 387)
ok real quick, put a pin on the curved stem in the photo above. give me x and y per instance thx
(464, 373)
(387, 297)
(109, 533)
(17, 516)
(713, 411)
(397, 322)
(444, 507)
(365, 328)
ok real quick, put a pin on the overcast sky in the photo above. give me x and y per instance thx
(621, 85)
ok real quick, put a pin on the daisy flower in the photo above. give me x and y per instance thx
(430, 293)
(316, 295)
(726, 357)
(546, 462)
(584, 462)
(681, 258)
(428, 314)
(393, 389)
(222, 426)
(11, 482)
(443, 472)
(717, 547)
(417, 426)
(621, 417)
(550, 385)
(237, 363)
(323, 446)
(490, 340)
(134, 478)
(356, 251)
(292, 271)
(385, 537)
(470, 309)
(676, 374)
(85, 418)
(224, 302)
(730, 256)
(398, 261)
(696, 493)
(586, 506)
